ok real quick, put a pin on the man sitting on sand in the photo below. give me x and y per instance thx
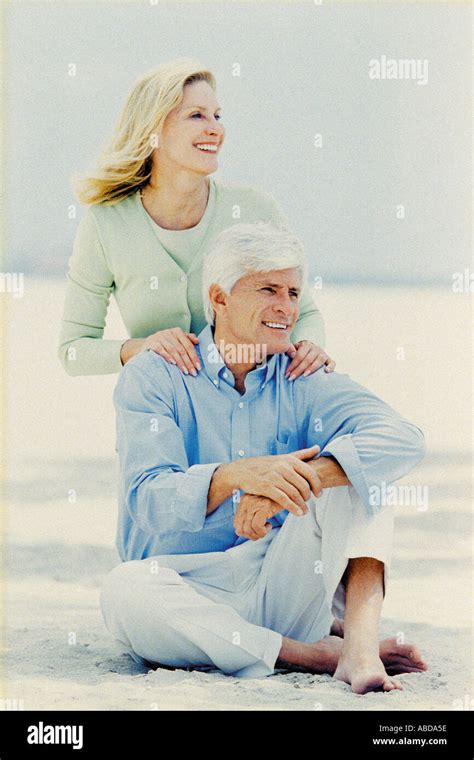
(247, 523)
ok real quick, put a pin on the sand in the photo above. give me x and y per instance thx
(61, 510)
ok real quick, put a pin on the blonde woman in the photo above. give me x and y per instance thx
(153, 210)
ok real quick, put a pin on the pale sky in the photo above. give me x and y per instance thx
(304, 70)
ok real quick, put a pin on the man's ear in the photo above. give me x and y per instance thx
(217, 297)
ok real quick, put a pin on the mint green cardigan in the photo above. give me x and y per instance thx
(116, 250)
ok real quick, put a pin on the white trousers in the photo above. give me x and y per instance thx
(229, 610)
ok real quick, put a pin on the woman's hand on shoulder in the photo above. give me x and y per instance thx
(177, 347)
(307, 358)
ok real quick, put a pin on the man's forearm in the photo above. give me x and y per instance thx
(222, 486)
(225, 479)
(329, 472)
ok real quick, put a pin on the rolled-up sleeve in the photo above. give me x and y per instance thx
(162, 492)
(192, 489)
(372, 442)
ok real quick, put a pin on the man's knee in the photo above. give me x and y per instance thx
(334, 504)
(118, 586)
(139, 600)
(131, 581)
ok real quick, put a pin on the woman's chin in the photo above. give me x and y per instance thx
(207, 165)
(205, 171)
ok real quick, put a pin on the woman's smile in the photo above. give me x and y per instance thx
(206, 147)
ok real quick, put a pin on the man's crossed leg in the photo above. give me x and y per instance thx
(270, 603)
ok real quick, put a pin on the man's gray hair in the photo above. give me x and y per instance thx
(247, 248)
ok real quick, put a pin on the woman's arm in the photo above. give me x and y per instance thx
(82, 350)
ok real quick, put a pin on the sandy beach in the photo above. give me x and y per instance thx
(411, 347)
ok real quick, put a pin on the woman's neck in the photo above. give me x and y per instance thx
(177, 201)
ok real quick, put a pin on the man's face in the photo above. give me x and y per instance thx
(261, 309)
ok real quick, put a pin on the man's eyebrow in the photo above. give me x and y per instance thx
(266, 283)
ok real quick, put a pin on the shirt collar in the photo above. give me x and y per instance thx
(214, 364)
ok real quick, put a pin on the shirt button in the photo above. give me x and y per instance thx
(183, 278)
(225, 375)
(241, 405)
(241, 453)
(216, 382)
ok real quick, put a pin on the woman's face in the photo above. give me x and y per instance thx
(192, 134)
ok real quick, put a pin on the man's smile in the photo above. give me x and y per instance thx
(276, 325)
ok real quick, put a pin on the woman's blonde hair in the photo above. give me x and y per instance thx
(125, 163)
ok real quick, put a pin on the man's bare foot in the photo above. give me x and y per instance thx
(397, 658)
(326, 656)
(365, 672)
(401, 658)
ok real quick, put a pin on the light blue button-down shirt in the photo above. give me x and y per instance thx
(174, 430)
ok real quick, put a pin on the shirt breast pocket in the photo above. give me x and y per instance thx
(282, 445)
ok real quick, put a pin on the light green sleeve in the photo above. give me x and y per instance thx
(310, 323)
(82, 350)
